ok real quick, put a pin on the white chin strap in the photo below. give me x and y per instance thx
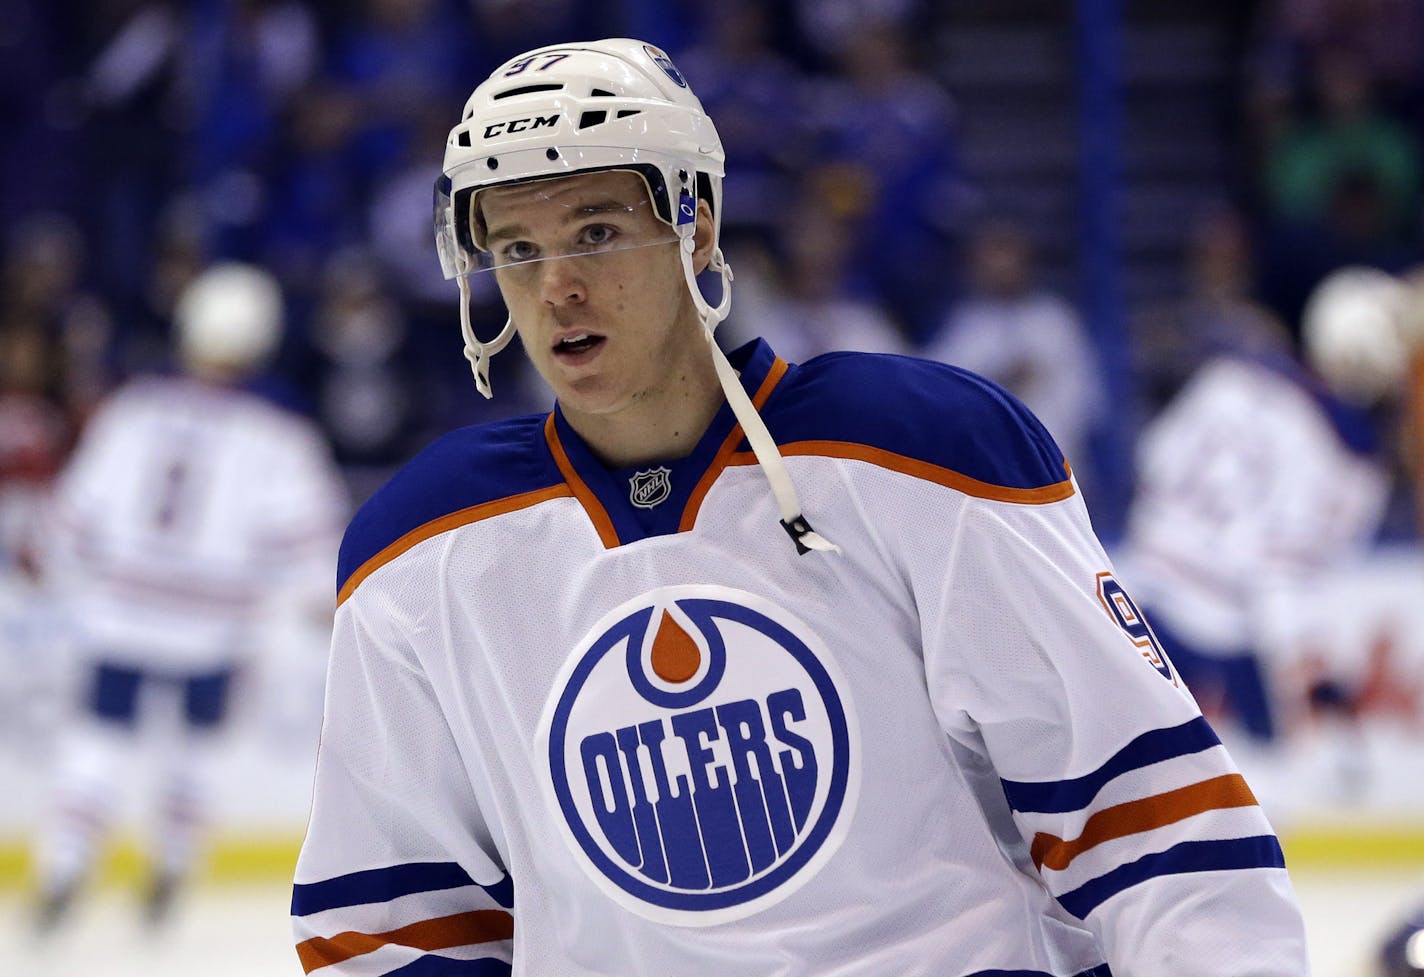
(478, 353)
(768, 456)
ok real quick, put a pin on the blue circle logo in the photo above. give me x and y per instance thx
(702, 753)
(665, 63)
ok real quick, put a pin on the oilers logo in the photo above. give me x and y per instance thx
(702, 754)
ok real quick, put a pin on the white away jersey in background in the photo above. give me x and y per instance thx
(583, 721)
(1251, 482)
(182, 506)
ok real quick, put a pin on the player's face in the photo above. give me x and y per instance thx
(607, 319)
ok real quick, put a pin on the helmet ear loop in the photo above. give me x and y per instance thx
(478, 354)
(710, 315)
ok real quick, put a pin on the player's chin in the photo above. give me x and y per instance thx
(591, 394)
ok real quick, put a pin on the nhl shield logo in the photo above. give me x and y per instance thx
(649, 489)
(703, 757)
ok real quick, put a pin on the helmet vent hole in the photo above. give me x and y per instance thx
(592, 119)
(600, 93)
(624, 113)
(551, 153)
(463, 138)
(528, 90)
(492, 163)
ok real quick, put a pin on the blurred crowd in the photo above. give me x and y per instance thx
(149, 138)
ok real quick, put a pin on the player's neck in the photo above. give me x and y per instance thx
(663, 424)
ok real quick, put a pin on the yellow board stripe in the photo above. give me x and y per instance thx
(234, 859)
(273, 857)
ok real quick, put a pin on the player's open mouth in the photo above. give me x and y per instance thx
(576, 345)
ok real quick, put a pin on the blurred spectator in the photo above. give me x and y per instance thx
(248, 59)
(398, 221)
(1386, 35)
(40, 166)
(1341, 182)
(396, 58)
(44, 256)
(757, 97)
(803, 302)
(131, 95)
(317, 199)
(829, 27)
(1031, 341)
(889, 130)
(505, 28)
(1217, 315)
(187, 501)
(1261, 476)
(367, 393)
(1346, 135)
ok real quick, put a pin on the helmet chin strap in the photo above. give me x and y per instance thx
(477, 353)
(768, 456)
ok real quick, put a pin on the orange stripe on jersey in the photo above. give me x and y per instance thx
(444, 524)
(461, 929)
(947, 477)
(1135, 817)
(596, 513)
(724, 453)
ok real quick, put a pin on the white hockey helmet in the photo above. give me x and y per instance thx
(1352, 330)
(576, 108)
(229, 317)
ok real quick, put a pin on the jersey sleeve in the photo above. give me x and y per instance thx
(1120, 795)
(398, 873)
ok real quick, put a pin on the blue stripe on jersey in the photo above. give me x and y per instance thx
(1059, 796)
(433, 966)
(928, 411)
(385, 884)
(464, 468)
(1261, 851)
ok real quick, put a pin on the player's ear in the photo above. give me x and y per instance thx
(702, 255)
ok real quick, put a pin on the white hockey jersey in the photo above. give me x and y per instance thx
(185, 504)
(1252, 481)
(593, 722)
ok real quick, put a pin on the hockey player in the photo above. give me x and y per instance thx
(187, 501)
(1262, 474)
(733, 666)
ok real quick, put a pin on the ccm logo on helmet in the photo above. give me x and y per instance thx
(521, 125)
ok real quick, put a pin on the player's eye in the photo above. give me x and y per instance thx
(598, 235)
(516, 251)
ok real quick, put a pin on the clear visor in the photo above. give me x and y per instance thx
(548, 220)
(549, 229)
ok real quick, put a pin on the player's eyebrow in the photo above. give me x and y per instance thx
(610, 205)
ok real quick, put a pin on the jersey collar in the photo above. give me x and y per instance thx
(675, 486)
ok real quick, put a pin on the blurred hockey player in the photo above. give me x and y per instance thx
(728, 665)
(188, 502)
(1261, 474)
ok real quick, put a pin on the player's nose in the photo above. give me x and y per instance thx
(561, 282)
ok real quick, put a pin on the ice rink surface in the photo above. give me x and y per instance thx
(242, 931)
